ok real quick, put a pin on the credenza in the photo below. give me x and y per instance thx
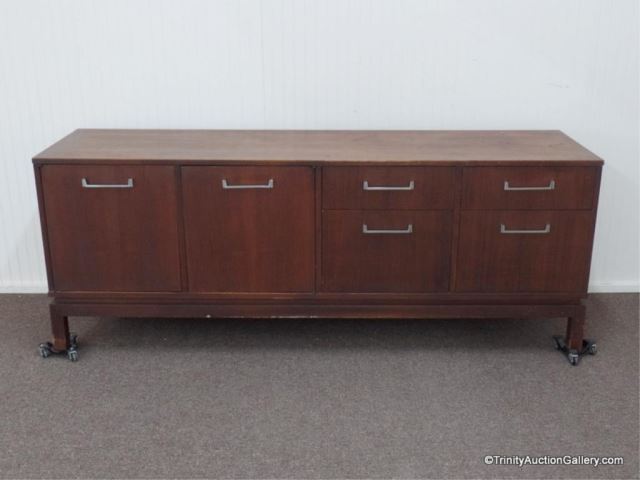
(370, 224)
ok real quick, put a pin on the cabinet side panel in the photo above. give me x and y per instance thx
(43, 225)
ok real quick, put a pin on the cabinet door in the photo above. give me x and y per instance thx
(524, 251)
(386, 251)
(112, 228)
(249, 229)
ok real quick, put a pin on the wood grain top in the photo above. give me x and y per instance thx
(527, 147)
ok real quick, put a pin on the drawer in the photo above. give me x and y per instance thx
(391, 251)
(249, 229)
(529, 188)
(383, 188)
(112, 228)
(524, 251)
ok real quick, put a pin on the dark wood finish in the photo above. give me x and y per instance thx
(184, 272)
(37, 170)
(367, 311)
(253, 240)
(357, 262)
(434, 188)
(59, 329)
(483, 188)
(112, 239)
(491, 261)
(318, 227)
(455, 233)
(596, 197)
(526, 147)
(575, 329)
(323, 298)
(178, 245)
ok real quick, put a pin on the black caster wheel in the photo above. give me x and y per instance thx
(574, 355)
(573, 358)
(72, 355)
(44, 349)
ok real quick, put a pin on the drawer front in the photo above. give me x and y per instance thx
(249, 229)
(524, 251)
(529, 188)
(392, 251)
(112, 228)
(382, 188)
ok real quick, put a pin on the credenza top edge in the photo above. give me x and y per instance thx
(320, 147)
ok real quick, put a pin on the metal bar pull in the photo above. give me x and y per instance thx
(86, 184)
(227, 186)
(405, 231)
(503, 229)
(366, 186)
(551, 186)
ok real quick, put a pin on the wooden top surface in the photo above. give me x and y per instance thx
(315, 146)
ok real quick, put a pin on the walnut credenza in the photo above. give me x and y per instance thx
(410, 224)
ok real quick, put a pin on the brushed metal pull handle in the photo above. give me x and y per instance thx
(366, 186)
(503, 229)
(405, 231)
(227, 186)
(551, 186)
(86, 184)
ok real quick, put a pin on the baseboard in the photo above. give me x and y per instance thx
(611, 287)
(24, 287)
(615, 287)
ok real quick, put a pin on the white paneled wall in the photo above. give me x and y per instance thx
(320, 64)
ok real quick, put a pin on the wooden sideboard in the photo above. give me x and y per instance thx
(373, 224)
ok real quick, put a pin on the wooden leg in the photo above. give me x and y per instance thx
(575, 330)
(573, 345)
(60, 331)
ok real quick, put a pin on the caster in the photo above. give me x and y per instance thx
(573, 358)
(588, 346)
(72, 354)
(44, 349)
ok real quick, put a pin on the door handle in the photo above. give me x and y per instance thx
(546, 229)
(367, 187)
(227, 186)
(551, 186)
(86, 184)
(405, 231)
